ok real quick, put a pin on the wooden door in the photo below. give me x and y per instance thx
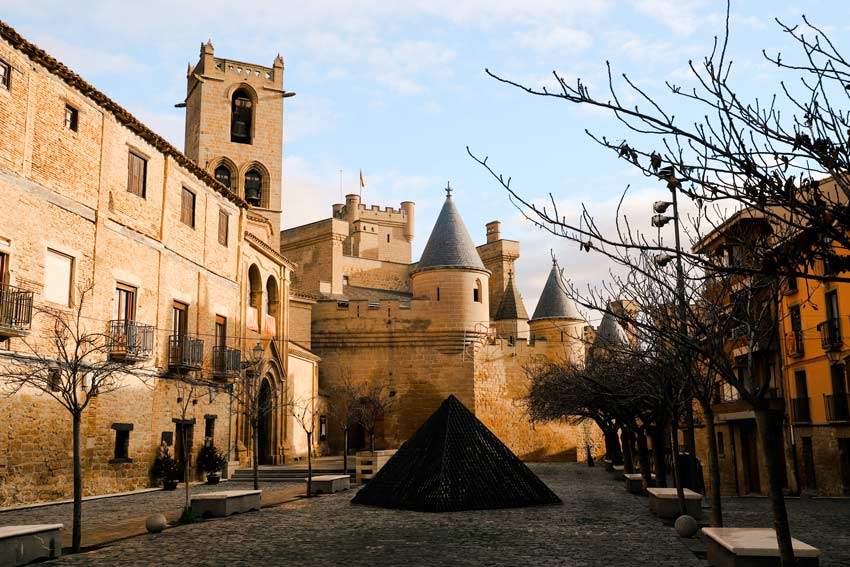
(749, 458)
(809, 464)
(844, 463)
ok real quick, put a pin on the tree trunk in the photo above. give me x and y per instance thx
(677, 476)
(372, 442)
(309, 464)
(76, 536)
(255, 453)
(659, 449)
(186, 467)
(643, 456)
(713, 465)
(612, 446)
(769, 431)
(626, 443)
(345, 451)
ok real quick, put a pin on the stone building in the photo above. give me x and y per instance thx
(451, 323)
(185, 270)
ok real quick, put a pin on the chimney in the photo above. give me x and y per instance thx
(494, 231)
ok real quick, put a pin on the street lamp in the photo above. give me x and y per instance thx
(662, 260)
(660, 220)
(257, 352)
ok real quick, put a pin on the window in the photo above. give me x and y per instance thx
(323, 427)
(5, 75)
(58, 277)
(222, 175)
(223, 222)
(800, 383)
(832, 304)
(254, 188)
(125, 303)
(71, 117)
(137, 172)
(187, 208)
(721, 447)
(241, 114)
(476, 292)
(4, 268)
(209, 426)
(438, 294)
(791, 284)
(122, 441)
(220, 331)
(179, 318)
(388, 239)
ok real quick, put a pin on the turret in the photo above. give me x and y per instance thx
(556, 320)
(511, 319)
(451, 274)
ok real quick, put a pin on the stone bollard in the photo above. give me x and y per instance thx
(155, 523)
(686, 526)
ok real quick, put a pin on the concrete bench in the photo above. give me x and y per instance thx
(618, 471)
(752, 547)
(634, 482)
(609, 465)
(664, 503)
(330, 483)
(20, 545)
(225, 503)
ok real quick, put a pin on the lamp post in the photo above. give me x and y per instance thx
(659, 219)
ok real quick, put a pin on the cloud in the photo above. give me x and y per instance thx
(556, 38)
(680, 16)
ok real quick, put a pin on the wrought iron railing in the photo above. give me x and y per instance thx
(830, 334)
(226, 361)
(801, 410)
(837, 407)
(185, 352)
(15, 311)
(129, 340)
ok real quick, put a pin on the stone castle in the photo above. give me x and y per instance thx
(190, 272)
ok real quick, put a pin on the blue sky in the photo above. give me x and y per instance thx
(397, 89)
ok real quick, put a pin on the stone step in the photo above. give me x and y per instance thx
(283, 475)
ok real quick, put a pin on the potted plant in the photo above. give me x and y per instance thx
(212, 461)
(166, 469)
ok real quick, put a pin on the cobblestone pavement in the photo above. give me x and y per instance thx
(599, 524)
(108, 519)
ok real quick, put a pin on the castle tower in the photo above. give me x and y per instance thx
(511, 319)
(498, 255)
(556, 321)
(451, 274)
(234, 128)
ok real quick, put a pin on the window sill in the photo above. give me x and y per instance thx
(120, 461)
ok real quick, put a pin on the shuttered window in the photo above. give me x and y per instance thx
(5, 75)
(58, 276)
(223, 223)
(187, 208)
(137, 171)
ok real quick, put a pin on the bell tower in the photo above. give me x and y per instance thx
(234, 128)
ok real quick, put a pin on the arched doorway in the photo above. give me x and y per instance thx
(264, 427)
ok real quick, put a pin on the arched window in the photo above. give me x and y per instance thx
(271, 296)
(476, 292)
(222, 175)
(254, 188)
(241, 117)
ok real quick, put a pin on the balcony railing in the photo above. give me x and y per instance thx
(830, 334)
(15, 311)
(837, 407)
(801, 410)
(794, 344)
(226, 361)
(129, 340)
(185, 353)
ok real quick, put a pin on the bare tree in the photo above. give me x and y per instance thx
(69, 362)
(344, 399)
(378, 401)
(305, 412)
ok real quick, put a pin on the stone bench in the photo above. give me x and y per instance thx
(330, 483)
(225, 503)
(618, 470)
(20, 545)
(752, 547)
(664, 503)
(634, 482)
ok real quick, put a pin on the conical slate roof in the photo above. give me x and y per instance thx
(449, 244)
(554, 302)
(511, 306)
(453, 462)
(610, 332)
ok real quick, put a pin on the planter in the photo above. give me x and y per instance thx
(213, 478)
(169, 484)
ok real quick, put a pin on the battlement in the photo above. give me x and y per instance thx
(353, 210)
(245, 70)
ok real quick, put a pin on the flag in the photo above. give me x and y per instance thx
(362, 181)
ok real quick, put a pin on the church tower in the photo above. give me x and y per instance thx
(234, 128)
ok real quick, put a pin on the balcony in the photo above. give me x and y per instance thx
(801, 410)
(185, 353)
(837, 407)
(15, 311)
(794, 344)
(130, 341)
(830, 334)
(226, 362)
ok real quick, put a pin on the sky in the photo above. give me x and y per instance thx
(397, 89)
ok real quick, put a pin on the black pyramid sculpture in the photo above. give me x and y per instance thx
(453, 462)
